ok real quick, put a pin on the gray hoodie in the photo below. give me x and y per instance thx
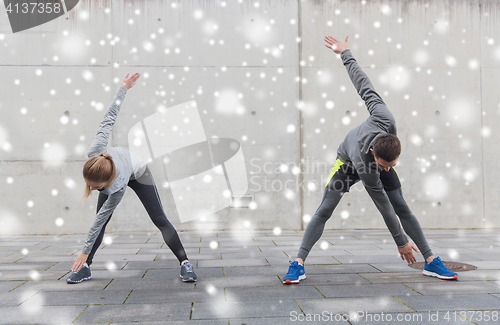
(128, 166)
(355, 149)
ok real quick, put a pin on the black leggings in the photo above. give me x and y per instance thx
(339, 184)
(145, 189)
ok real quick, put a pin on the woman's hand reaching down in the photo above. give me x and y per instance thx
(79, 261)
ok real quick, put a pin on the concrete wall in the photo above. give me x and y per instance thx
(435, 63)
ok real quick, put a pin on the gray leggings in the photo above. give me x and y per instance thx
(330, 200)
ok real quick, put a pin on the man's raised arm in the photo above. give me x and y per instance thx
(376, 106)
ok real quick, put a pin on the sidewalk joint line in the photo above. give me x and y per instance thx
(127, 296)
(64, 275)
(51, 266)
(108, 284)
(364, 278)
(80, 313)
(144, 273)
(319, 290)
(403, 303)
(376, 268)
(464, 317)
(18, 259)
(412, 289)
(191, 313)
(28, 298)
(18, 286)
(337, 260)
(295, 301)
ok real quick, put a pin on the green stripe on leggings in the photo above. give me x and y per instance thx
(335, 168)
(396, 173)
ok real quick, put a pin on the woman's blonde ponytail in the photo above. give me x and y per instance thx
(99, 170)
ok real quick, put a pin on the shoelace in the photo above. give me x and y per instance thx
(293, 265)
(188, 267)
(440, 264)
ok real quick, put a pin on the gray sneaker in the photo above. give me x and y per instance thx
(81, 275)
(187, 273)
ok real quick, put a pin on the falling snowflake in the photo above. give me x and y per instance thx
(436, 186)
(453, 254)
(111, 266)
(107, 240)
(34, 275)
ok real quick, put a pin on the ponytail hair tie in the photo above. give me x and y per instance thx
(105, 156)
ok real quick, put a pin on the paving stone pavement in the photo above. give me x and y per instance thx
(353, 277)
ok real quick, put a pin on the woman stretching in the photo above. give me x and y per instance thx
(110, 170)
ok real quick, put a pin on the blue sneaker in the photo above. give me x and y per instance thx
(295, 273)
(438, 269)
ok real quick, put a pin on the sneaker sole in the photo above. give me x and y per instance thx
(84, 279)
(429, 273)
(301, 277)
(188, 280)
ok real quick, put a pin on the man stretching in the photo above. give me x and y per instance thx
(369, 153)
